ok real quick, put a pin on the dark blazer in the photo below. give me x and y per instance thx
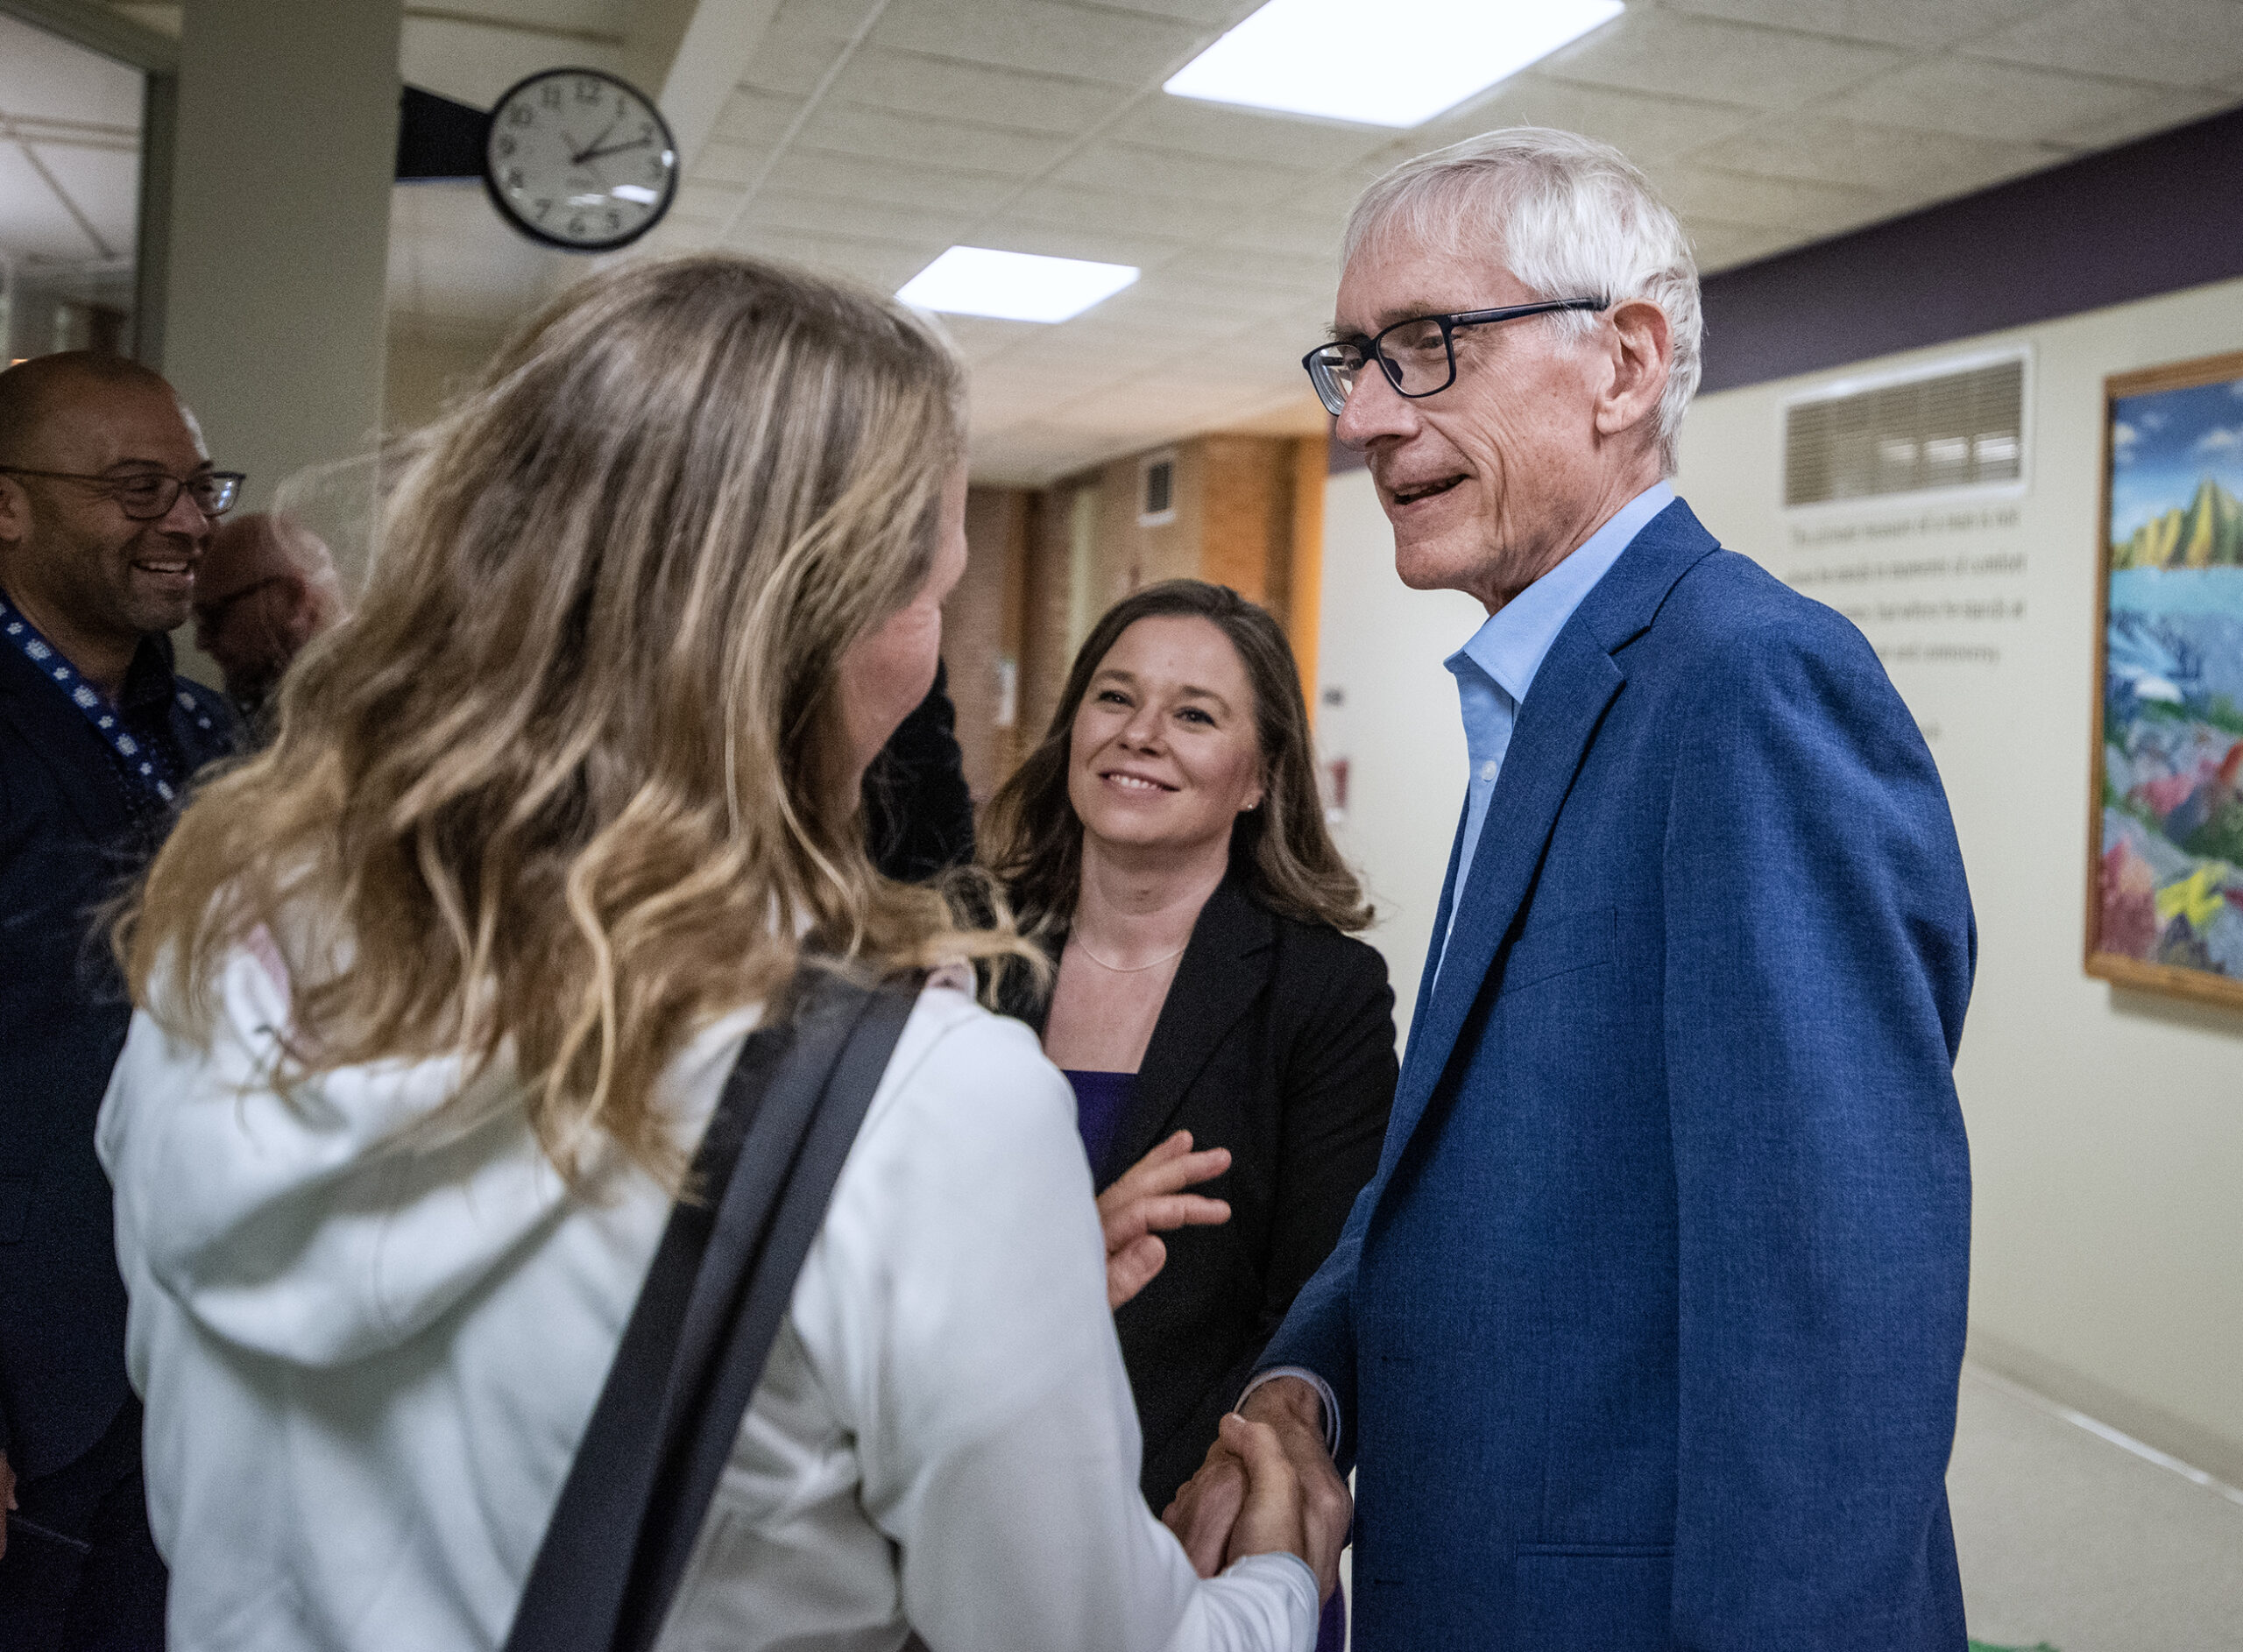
(1277, 1041)
(69, 835)
(918, 813)
(1647, 1331)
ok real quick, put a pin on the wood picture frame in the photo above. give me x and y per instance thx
(2165, 798)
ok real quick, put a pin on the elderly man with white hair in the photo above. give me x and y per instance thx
(1646, 1333)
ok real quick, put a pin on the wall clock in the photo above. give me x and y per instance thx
(579, 159)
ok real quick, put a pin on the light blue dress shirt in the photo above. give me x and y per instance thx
(1495, 669)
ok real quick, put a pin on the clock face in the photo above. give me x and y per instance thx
(578, 158)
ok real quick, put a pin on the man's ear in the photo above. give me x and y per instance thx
(14, 512)
(1643, 354)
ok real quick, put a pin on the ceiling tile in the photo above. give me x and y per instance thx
(733, 165)
(852, 129)
(1160, 121)
(912, 83)
(1306, 277)
(1291, 235)
(881, 266)
(1008, 232)
(1828, 150)
(1974, 98)
(1174, 309)
(2173, 42)
(753, 119)
(705, 198)
(814, 172)
(1074, 205)
(2155, 113)
(1123, 167)
(1720, 245)
(827, 214)
(1910, 23)
(979, 337)
(1722, 62)
(1809, 209)
(1640, 126)
(820, 19)
(1127, 48)
(1220, 16)
(790, 67)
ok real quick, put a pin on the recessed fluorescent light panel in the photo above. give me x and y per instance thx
(1400, 63)
(1014, 286)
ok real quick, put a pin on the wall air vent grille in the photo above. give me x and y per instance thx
(1156, 493)
(1944, 429)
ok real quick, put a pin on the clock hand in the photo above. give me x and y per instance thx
(612, 149)
(579, 159)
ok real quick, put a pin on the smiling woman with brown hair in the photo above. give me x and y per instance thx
(1165, 843)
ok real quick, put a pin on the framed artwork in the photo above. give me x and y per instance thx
(2165, 822)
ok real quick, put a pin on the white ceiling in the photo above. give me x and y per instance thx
(864, 137)
(69, 154)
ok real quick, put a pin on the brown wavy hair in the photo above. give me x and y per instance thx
(1032, 840)
(574, 781)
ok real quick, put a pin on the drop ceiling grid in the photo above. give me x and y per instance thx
(1039, 125)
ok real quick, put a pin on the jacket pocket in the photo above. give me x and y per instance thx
(1594, 1598)
(1560, 942)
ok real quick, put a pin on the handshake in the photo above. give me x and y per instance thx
(1267, 1484)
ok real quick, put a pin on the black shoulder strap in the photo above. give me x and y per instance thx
(706, 1317)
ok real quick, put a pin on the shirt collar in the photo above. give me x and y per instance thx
(148, 680)
(1511, 646)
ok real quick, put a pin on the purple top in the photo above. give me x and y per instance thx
(1101, 1099)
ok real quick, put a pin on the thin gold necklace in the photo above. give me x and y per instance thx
(1134, 969)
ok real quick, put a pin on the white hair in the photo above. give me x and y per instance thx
(1570, 217)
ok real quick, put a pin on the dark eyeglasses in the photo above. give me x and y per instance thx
(150, 497)
(1419, 356)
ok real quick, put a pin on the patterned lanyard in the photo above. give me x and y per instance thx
(146, 766)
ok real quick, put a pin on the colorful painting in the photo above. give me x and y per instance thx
(2165, 895)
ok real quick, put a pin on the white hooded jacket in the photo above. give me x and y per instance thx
(367, 1367)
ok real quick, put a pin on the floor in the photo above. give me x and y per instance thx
(2070, 1541)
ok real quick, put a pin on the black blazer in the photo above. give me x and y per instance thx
(1277, 1041)
(918, 813)
(70, 834)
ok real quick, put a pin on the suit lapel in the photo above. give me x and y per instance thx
(1213, 987)
(1577, 683)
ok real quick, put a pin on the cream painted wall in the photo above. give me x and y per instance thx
(1379, 648)
(2106, 1126)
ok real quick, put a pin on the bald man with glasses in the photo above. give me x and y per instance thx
(106, 500)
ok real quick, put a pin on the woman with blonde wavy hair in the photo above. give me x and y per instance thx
(437, 995)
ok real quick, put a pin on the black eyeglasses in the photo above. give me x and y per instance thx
(1419, 356)
(150, 498)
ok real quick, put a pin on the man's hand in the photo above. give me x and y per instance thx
(1209, 1514)
(1146, 1199)
(7, 1498)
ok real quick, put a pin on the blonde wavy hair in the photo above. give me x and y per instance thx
(574, 780)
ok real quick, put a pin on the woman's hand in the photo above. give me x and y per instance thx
(1275, 1514)
(1146, 1201)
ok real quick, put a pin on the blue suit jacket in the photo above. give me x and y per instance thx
(1646, 1331)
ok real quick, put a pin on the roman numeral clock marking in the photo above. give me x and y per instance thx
(578, 159)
